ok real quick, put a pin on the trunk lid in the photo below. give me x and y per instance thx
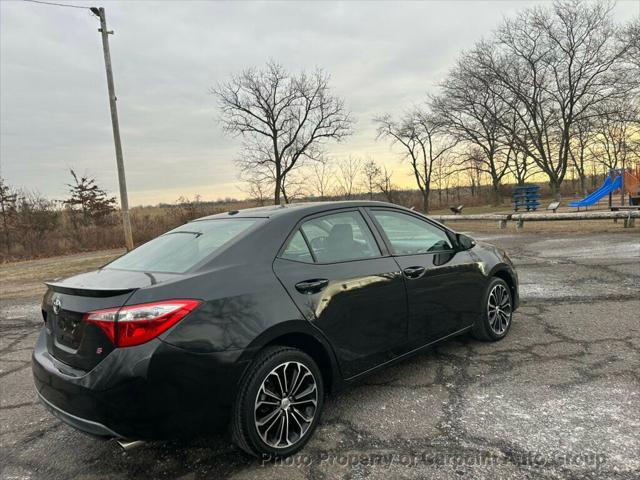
(71, 340)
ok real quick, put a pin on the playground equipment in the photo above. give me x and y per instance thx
(632, 185)
(609, 186)
(526, 197)
(618, 179)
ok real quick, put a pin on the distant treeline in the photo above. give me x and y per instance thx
(33, 226)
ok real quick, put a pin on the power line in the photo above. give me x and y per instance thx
(57, 4)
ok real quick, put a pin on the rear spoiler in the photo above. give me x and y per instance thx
(87, 292)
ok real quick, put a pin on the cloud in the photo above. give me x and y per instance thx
(383, 57)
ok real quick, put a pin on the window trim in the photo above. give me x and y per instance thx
(307, 243)
(379, 241)
(288, 241)
(409, 213)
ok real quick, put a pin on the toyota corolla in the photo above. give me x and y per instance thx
(247, 320)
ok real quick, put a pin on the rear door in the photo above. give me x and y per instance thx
(343, 280)
(444, 286)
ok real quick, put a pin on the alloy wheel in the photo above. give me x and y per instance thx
(286, 404)
(499, 309)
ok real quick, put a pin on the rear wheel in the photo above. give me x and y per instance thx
(494, 322)
(278, 404)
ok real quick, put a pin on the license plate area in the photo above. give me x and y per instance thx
(68, 328)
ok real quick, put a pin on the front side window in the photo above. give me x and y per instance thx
(340, 237)
(182, 248)
(409, 235)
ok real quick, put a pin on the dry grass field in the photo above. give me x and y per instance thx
(25, 279)
(64, 236)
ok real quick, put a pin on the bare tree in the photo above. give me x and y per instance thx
(520, 165)
(473, 172)
(614, 133)
(630, 37)
(475, 115)
(320, 178)
(9, 210)
(424, 141)
(347, 176)
(371, 173)
(386, 186)
(257, 187)
(283, 119)
(552, 67)
(580, 147)
(443, 171)
(294, 186)
(36, 216)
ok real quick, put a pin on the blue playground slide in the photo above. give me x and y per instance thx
(607, 187)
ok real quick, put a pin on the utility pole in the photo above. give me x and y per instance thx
(124, 202)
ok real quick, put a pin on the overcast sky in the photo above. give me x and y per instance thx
(382, 56)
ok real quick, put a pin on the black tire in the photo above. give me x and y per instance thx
(266, 367)
(486, 327)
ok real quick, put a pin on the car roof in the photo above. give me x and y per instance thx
(295, 209)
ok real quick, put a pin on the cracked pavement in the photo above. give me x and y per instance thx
(558, 398)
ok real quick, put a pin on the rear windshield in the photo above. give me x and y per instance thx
(180, 249)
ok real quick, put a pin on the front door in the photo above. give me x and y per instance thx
(334, 269)
(444, 285)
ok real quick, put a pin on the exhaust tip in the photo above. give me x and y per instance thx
(128, 445)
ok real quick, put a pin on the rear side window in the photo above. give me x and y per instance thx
(409, 235)
(297, 249)
(340, 237)
(180, 249)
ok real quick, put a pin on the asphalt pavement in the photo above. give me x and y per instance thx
(558, 398)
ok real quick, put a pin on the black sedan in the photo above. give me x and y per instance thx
(250, 318)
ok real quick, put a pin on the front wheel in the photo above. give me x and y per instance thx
(495, 320)
(278, 403)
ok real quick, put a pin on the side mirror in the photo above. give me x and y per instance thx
(465, 242)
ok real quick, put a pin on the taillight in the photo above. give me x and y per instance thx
(137, 324)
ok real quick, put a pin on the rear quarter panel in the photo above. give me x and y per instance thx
(240, 302)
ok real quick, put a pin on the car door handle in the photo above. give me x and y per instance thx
(312, 286)
(414, 272)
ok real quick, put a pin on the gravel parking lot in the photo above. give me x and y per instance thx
(558, 398)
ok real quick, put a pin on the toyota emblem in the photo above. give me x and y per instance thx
(57, 305)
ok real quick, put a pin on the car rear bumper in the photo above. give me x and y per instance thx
(82, 424)
(153, 391)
